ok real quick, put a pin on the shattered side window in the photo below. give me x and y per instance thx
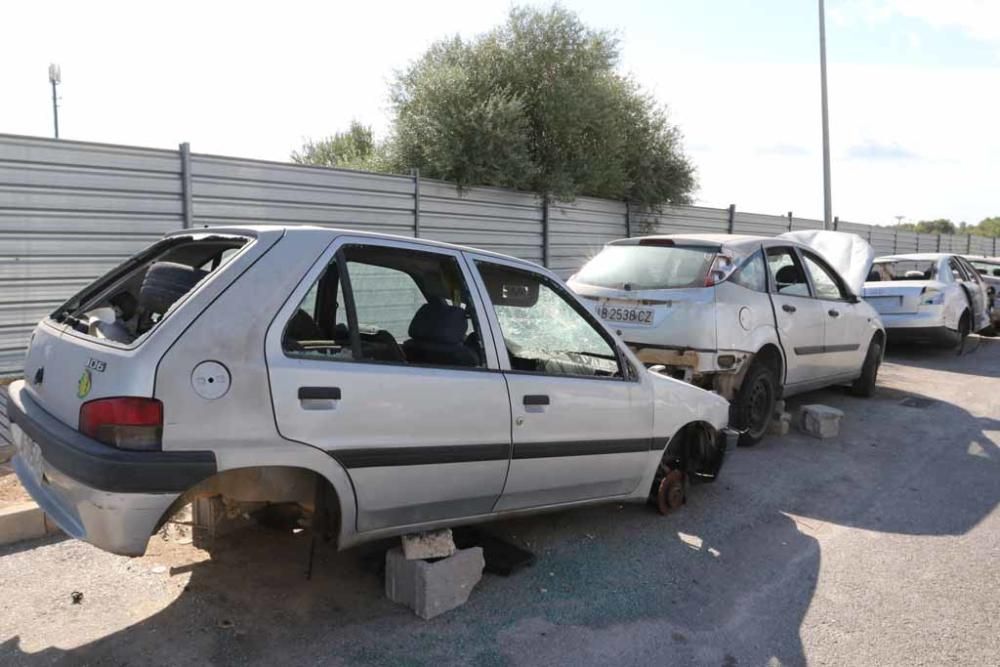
(752, 274)
(542, 331)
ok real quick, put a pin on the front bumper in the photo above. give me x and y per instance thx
(112, 498)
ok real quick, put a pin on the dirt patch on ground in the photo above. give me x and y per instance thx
(4, 381)
(11, 490)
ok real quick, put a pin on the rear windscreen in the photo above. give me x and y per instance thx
(130, 300)
(904, 269)
(639, 267)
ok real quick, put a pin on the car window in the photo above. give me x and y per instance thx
(543, 331)
(824, 281)
(904, 269)
(970, 271)
(957, 272)
(647, 265)
(752, 274)
(786, 272)
(388, 305)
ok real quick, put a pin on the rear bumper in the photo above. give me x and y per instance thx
(111, 498)
(923, 319)
(938, 335)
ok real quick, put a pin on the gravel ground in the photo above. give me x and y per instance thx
(877, 548)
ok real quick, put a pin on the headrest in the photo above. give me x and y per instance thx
(788, 275)
(438, 322)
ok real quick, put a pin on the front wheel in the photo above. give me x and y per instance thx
(964, 329)
(753, 407)
(864, 386)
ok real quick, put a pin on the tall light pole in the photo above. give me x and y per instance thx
(55, 77)
(827, 200)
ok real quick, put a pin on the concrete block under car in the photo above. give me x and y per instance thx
(780, 424)
(819, 421)
(432, 588)
(432, 544)
(24, 521)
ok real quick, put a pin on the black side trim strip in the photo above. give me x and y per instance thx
(820, 349)
(101, 466)
(540, 450)
(376, 457)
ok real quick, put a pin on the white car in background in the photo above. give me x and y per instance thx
(932, 297)
(989, 270)
(752, 318)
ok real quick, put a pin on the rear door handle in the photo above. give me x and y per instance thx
(536, 399)
(319, 393)
(788, 308)
(833, 313)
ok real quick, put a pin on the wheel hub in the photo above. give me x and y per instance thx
(672, 491)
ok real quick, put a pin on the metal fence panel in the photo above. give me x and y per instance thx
(69, 211)
(579, 229)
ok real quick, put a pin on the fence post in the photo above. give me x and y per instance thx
(836, 222)
(789, 221)
(628, 218)
(732, 218)
(545, 231)
(938, 243)
(895, 240)
(416, 202)
(186, 205)
(968, 244)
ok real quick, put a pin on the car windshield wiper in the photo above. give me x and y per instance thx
(596, 355)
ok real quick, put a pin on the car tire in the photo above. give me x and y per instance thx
(964, 329)
(753, 406)
(864, 386)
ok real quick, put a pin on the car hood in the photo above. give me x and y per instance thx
(849, 254)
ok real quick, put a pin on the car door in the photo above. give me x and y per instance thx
(380, 358)
(847, 329)
(977, 293)
(801, 319)
(582, 419)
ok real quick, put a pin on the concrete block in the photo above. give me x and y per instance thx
(432, 588)
(779, 407)
(432, 544)
(21, 521)
(780, 424)
(819, 421)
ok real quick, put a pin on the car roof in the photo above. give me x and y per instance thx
(333, 232)
(710, 239)
(916, 255)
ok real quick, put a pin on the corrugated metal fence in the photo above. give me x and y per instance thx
(71, 210)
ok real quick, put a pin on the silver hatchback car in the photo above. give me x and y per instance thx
(382, 385)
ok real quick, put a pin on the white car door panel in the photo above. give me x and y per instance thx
(847, 330)
(801, 319)
(419, 442)
(577, 434)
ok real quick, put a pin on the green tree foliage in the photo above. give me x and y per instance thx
(353, 149)
(939, 226)
(986, 227)
(535, 104)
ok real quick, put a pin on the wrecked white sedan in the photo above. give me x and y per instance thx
(933, 297)
(752, 318)
(383, 385)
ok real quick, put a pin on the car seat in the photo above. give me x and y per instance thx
(437, 336)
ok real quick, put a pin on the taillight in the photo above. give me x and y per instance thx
(126, 422)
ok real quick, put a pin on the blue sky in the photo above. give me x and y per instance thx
(914, 85)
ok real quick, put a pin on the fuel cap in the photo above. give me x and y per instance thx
(210, 380)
